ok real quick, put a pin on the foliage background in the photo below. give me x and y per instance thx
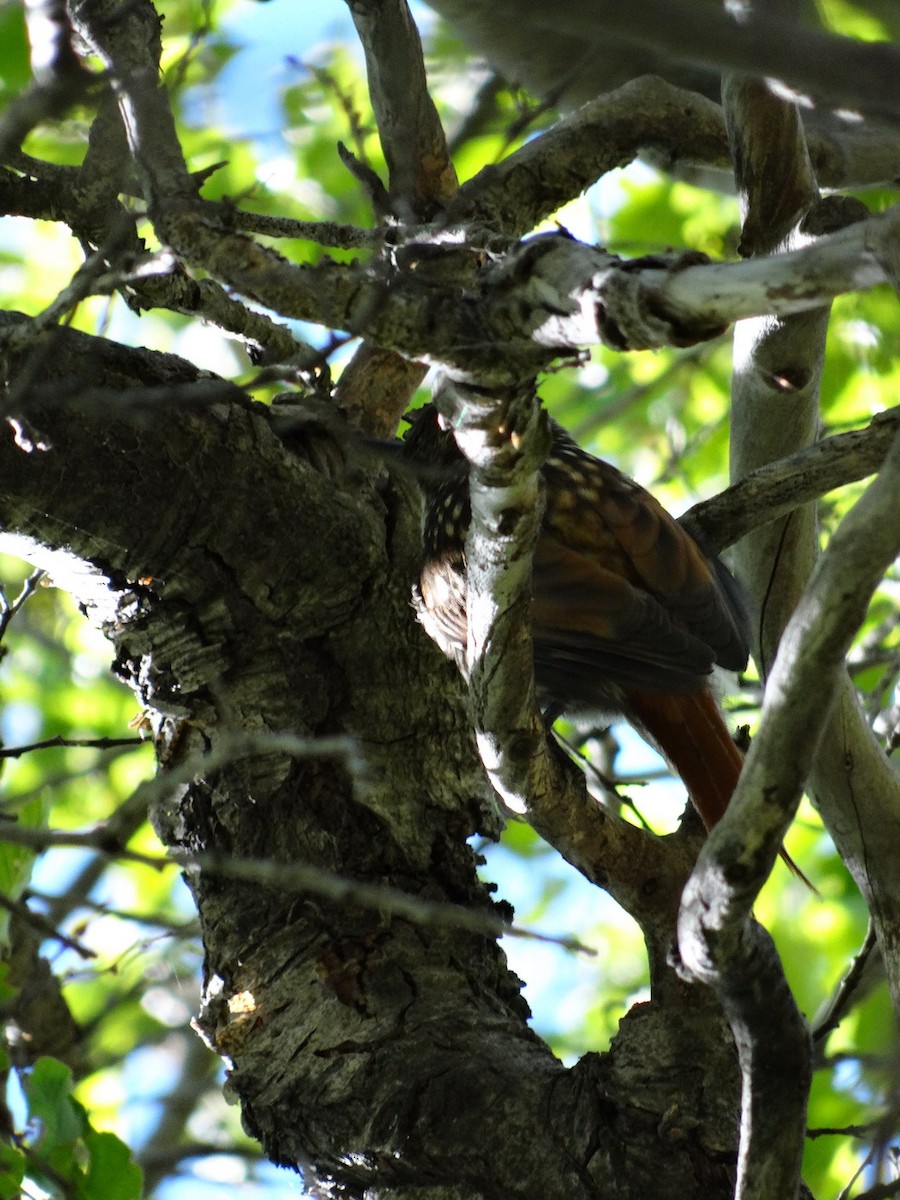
(268, 94)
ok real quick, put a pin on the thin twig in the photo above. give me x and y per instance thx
(44, 927)
(102, 743)
(844, 996)
(291, 876)
(9, 609)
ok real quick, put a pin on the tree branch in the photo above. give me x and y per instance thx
(504, 436)
(392, 307)
(378, 384)
(412, 137)
(776, 185)
(838, 71)
(302, 878)
(548, 297)
(718, 940)
(851, 780)
(60, 80)
(779, 488)
(648, 117)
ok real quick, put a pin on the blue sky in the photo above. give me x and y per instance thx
(274, 35)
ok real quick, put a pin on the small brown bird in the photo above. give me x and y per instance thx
(630, 613)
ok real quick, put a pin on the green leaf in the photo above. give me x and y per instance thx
(112, 1174)
(98, 1164)
(48, 1086)
(12, 1169)
(15, 68)
(17, 862)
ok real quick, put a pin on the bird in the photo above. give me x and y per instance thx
(630, 611)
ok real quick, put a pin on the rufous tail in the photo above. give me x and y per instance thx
(691, 733)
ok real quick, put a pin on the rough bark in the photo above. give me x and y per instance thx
(257, 583)
(381, 1051)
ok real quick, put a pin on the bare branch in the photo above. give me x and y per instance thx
(156, 280)
(377, 387)
(676, 129)
(60, 80)
(835, 70)
(58, 741)
(9, 608)
(411, 134)
(42, 926)
(129, 43)
(851, 781)
(107, 839)
(503, 436)
(392, 308)
(549, 297)
(725, 946)
(280, 876)
(128, 40)
(717, 939)
(850, 991)
(781, 487)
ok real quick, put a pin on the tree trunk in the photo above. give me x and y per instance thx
(388, 1052)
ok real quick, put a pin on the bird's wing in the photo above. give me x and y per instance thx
(593, 628)
(603, 515)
